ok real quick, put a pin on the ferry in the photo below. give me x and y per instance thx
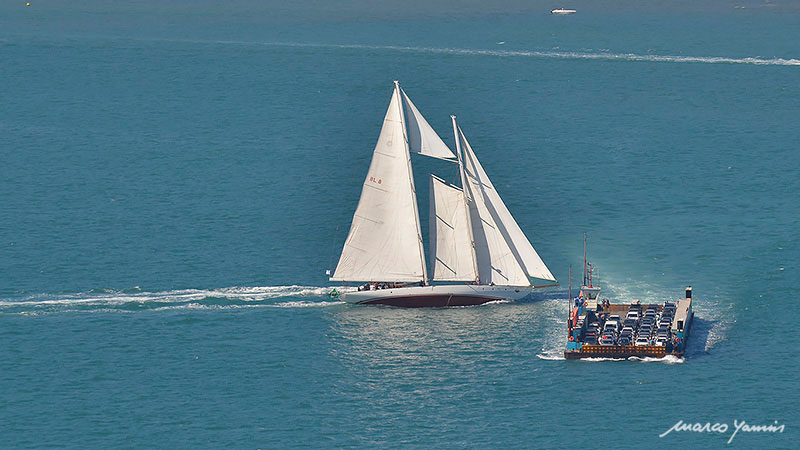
(600, 329)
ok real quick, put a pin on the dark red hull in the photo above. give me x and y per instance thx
(431, 301)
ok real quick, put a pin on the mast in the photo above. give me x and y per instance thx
(466, 199)
(411, 179)
(585, 235)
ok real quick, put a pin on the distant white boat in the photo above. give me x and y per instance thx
(563, 11)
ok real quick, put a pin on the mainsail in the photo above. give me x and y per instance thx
(452, 255)
(384, 243)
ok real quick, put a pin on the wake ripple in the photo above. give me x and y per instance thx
(182, 299)
(602, 54)
(606, 56)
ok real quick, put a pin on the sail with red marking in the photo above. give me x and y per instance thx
(384, 242)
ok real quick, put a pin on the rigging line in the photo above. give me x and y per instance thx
(403, 126)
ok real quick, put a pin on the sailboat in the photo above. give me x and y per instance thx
(478, 251)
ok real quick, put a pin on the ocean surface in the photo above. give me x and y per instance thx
(176, 177)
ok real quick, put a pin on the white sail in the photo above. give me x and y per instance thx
(517, 242)
(452, 255)
(497, 262)
(422, 138)
(384, 243)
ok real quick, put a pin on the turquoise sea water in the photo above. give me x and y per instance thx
(175, 177)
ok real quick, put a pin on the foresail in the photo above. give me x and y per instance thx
(422, 138)
(496, 259)
(452, 254)
(518, 243)
(384, 243)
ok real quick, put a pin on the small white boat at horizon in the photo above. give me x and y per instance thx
(562, 11)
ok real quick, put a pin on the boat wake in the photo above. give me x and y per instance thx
(601, 54)
(669, 359)
(553, 320)
(131, 300)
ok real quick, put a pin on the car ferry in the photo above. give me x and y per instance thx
(600, 329)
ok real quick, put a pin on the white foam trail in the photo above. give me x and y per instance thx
(601, 359)
(200, 306)
(669, 359)
(554, 315)
(605, 56)
(493, 302)
(602, 55)
(303, 304)
(185, 297)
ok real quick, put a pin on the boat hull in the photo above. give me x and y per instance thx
(437, 296)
